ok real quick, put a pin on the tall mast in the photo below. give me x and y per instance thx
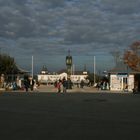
(32, 66)
(94, 69)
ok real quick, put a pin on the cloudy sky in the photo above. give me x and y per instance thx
(47, 29)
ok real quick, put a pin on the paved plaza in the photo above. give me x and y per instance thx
(75, 115)
(51, 88)
(75, 89)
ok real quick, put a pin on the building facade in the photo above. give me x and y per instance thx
(122, 78)
(52, 78)
(121, 82)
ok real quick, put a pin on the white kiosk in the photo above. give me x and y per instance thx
(121, 82)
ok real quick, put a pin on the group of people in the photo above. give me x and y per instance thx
(103, 85)
(62, 85)
(29, 84)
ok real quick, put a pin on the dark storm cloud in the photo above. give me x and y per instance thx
(49, 28)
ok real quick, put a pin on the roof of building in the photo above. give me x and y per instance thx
(21, 70)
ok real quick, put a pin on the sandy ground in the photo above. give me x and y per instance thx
(70, 116)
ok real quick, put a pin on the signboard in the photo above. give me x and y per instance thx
(122, 75)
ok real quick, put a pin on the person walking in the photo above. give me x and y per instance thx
(31, 84)
(26, 84)
(59, 84)
(64, 83)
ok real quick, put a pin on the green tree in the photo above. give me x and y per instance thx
(7, 65)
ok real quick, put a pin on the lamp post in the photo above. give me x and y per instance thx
(94, 69)
(32, 66)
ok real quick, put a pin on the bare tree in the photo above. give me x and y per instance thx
(132, 56)
(116, 55)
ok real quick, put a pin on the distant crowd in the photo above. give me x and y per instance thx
(63, 85)
(29, 84)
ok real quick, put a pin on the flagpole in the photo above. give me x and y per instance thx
(94, 68)
(32, 66)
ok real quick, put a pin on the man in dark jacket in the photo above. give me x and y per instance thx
(64, 82)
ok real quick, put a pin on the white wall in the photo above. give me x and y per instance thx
(45, 78)
(116, 82)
